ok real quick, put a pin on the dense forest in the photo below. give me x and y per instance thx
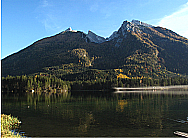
(40, 83)
(33, 83)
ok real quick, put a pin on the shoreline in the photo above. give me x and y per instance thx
(150, 88)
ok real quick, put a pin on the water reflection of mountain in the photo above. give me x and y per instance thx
(98, 115)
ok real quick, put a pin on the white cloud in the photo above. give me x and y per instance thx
(177, 21)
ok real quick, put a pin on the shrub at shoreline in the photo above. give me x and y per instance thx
(9, 123)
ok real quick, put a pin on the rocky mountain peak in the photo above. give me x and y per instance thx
(139, 23)
(134, 25)
(70, 30)
(95, 38)
(127, 26)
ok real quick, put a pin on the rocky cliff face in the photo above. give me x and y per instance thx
(133, 26)
(139, 23)
(95, 38)
(90, 37)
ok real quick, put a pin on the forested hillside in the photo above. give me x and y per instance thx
(136, 51)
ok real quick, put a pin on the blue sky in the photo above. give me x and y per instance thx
(26, 21)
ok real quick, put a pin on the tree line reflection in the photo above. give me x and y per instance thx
(87, 113)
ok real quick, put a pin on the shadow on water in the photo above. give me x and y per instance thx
(89, 113)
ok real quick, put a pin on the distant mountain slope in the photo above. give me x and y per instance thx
(135, 45)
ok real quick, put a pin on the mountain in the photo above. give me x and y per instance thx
(139, 49)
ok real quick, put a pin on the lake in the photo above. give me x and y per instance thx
(93, 114)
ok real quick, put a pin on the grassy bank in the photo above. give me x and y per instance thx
(9, 123)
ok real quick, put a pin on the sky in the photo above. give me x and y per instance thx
(25, 21)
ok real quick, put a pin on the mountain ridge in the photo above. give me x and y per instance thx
(134, 43)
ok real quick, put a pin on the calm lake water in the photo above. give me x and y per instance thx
(99, 114)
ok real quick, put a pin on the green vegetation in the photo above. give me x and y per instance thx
(36, 83)
(76, 77)
(9, 123)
